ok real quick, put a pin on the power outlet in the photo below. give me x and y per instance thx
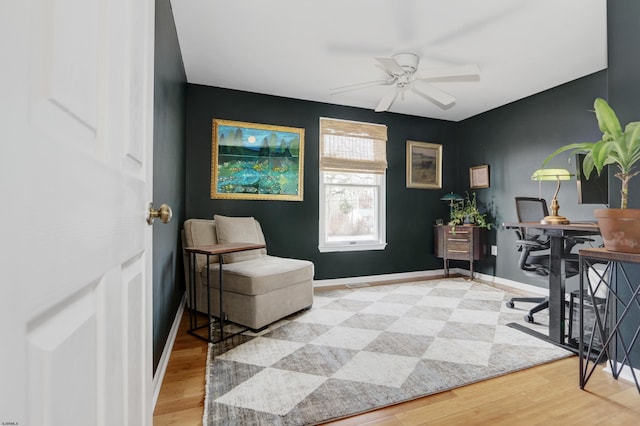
(494, 250)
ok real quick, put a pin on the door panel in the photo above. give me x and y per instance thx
(65, 67)
(133, 273)
(57, 374)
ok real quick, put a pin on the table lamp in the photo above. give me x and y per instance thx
(557, 175)
(451, 198)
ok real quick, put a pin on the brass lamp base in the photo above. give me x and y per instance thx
(555, 220)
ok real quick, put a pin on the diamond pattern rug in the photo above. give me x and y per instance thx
(364, 348)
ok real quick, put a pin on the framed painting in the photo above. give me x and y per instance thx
(256, 161)
(479, 176)
(424, 165)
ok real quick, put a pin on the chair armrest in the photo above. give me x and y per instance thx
(532, 245)
(571, 242)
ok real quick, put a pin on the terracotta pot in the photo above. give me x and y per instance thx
(620, 229)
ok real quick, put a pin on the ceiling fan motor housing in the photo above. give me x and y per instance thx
(407, 61)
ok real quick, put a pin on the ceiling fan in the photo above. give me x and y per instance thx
(402, 68)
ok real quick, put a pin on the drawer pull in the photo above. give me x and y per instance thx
(458, 251)
(458, 239)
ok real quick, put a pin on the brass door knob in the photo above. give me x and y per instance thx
(164, 213)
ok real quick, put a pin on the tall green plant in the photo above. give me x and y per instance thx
(618, 147)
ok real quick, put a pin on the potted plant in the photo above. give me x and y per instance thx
(466, 212)
(620, 228)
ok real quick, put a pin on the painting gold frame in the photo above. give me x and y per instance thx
(424, 165)
(252, 161)
(479, 176)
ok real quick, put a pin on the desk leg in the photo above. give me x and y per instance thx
(220, 312)
(556, 291)
(208, 300)
(192, 296)
(581, 352)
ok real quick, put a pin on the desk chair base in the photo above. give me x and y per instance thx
(542, 303)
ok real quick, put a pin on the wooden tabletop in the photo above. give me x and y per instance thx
(604, 254)
(224, 248)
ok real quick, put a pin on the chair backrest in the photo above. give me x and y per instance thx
(531, 209)
(200, 232)
(203, 232)
(533, 261)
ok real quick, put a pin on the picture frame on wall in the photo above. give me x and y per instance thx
(424, 165)
(479, 176)
(252, 161)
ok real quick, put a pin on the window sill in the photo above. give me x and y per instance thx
(352, 247)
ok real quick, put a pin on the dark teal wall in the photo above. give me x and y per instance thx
(514, 140)
(168, 175)
(624, 77)
(624, 97)
(291, 228)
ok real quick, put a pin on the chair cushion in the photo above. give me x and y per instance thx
(261, 275)
(239, 230)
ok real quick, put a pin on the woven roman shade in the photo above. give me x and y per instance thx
(351, 146)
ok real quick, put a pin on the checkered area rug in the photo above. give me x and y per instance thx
(360, 349)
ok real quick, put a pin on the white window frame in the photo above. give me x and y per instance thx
(324, 245)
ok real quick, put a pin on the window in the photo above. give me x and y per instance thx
(353, 163)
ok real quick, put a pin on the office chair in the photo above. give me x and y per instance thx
(534, 251)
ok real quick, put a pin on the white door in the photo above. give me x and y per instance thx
(76, 95)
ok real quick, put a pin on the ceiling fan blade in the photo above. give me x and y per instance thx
(455, 72)
(387, 100)
(434, 94)
(342, 89)
(391, 66)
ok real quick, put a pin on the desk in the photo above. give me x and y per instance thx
(557, 234)
(211, 250)
(621, 299)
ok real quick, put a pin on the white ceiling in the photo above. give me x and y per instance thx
(300, 49)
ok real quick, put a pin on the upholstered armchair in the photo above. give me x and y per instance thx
(258, 289)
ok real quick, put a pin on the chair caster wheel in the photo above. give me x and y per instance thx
(510, 304)
(528, 318)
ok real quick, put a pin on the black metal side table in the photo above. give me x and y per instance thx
(617, 331)
(208, 251)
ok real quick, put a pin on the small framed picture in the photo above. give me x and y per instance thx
(479, 176)
(424, 165)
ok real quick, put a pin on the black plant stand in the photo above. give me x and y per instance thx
(617, 330)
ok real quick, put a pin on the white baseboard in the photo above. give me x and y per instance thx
(377, 278)
(430, 274)
(166, 352)
(543, 291)
(625, 372)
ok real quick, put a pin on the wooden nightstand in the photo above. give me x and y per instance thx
(460, 243)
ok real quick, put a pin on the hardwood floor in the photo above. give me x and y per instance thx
(548, 394)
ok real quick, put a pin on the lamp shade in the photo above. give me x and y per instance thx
(451, 197)
(551, 174)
